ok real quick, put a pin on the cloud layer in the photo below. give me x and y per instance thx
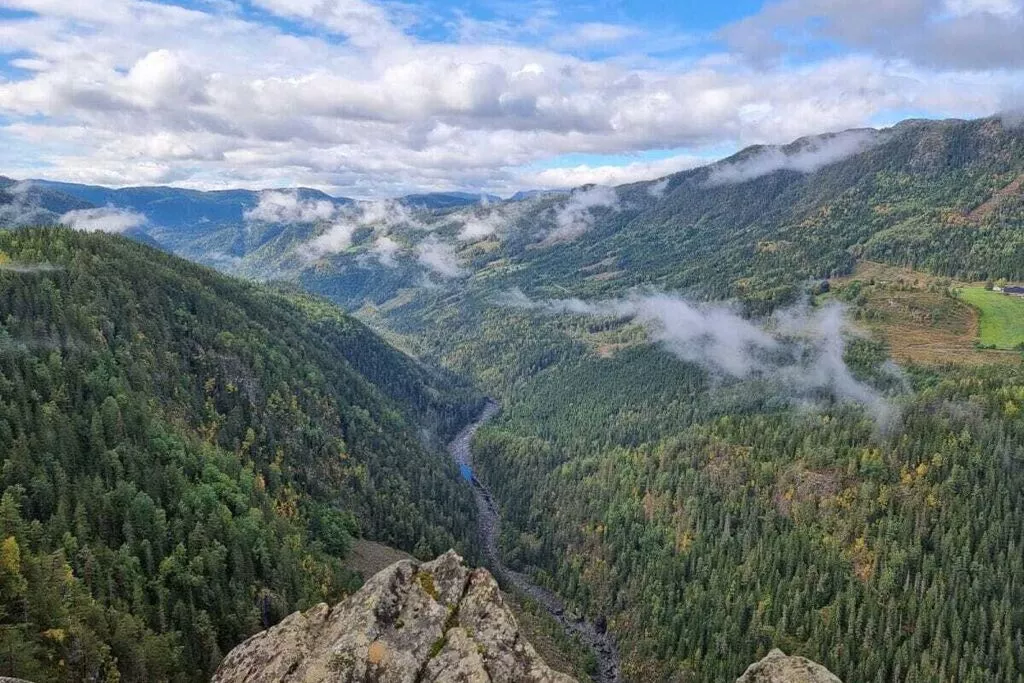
(377, 99)
(288, 207)
(382, 216)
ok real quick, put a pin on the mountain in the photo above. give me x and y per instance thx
(677, 455)
(24, 204)
(754, 226)
(533, 194)
(743, 407)
(187, 457)
(447, 200)
(176, 208)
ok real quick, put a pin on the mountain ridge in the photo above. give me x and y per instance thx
(187, 457)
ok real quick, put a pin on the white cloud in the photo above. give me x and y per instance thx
(289, 207)
(365, 24)
(336, 238)
(1004, 8)
(595, 33)
(583, 174)
(489, 220)
(811, 155)
(800, 349)
(383, 216)
(478, 227)
(439, 257)
(576, 215)
(968, 35)
(385, 249)
(657, 190)
(103, 219)
(134, 91)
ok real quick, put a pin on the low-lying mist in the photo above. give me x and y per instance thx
(799, 350)
(815, 154)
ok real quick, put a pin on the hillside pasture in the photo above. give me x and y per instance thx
(914, 313)
(1001, 317)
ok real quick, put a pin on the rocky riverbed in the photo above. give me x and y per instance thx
(588, 633)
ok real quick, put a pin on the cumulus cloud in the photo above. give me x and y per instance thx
(439, 257)
(945, 34)
(576, 216)
(337, 237)
(811, 155)
(478, 227)
(387, 214)
(490, 220)
(103, 219)
(800, 349)
(126, 92)
(289, 207)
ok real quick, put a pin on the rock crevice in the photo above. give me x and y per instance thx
(433, 622)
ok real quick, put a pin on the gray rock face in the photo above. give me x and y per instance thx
(777, 667)
(411, 623)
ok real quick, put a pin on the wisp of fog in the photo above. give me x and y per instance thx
(799, 350)
(815, 153)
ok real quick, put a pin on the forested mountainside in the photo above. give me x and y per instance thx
(942, 196)
(870, 521)
(186, 457)
(771, 479)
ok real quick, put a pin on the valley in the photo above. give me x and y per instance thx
(742, 407)
(511, 342)
(489, 521)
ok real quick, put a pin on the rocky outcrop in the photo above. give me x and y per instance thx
(411, 623)
(778, 667)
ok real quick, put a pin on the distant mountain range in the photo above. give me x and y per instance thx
(172, 207)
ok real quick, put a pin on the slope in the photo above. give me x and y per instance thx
(187, 456)
(711, 519)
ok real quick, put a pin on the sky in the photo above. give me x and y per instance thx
(374, 99)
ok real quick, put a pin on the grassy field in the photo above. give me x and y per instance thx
(912, 312)
(1002, 317)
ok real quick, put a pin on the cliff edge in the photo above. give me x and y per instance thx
(777, 667)
(416, 622)
(411, 623)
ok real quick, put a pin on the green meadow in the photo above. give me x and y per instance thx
(1001, 321)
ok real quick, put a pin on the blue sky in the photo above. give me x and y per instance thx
(368, 98)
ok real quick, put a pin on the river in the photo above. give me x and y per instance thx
(599, 642)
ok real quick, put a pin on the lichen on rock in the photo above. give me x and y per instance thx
(412, 622)
(778, 667)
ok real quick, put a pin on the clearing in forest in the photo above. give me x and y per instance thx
(1001, 316)
(917, 316)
